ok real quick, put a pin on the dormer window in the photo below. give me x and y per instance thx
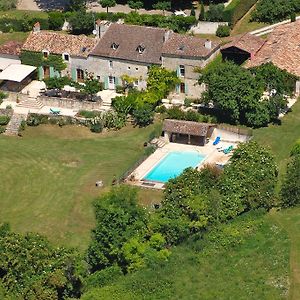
(114, 46)
(181, 47)
(45, 54)
(66, 57)
(140, 49)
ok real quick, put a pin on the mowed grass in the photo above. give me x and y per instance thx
(289, 219)
(280, 138)
(48, 177)
(249, 259)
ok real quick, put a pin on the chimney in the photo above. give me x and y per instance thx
(167, 35)
(207, 44)
(100, 28)
(37, 27)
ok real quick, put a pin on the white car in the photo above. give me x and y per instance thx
(180, 13)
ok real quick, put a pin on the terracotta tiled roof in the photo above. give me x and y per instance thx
(282, 49)
(129, 38)
(247, 42)
(185, 45)
(59, 43)
(186, 127)
(11, 48)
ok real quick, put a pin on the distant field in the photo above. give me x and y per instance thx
(48, 177)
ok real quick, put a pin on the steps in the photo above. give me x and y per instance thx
(31, 103)
(12, 127)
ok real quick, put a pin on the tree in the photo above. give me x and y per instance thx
(108, 3)
(77, 5)
(215, 12)
(8, 4)
(162, 5)
(82, 22)
(31, 268)
(290, 191)
(91, 86)
(135, 4)
(118, 219)
(202, 12)
(223, 31)
(56, 20)
(144, 115)
(248, 182)
(235, 94)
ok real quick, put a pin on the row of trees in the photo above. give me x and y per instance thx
(236, 93)
(271, 11)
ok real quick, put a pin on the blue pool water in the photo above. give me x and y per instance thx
(173, 165)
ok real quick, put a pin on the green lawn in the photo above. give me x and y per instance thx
(280, 138)
(249, 259)
(14, 36)
(48, 177)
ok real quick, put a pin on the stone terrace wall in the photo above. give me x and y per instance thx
(69, 103)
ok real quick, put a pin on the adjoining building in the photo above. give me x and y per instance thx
(242, 48)
(73, 50)
(282, 49)
(9, 54)
(120, 49)
(187, 132)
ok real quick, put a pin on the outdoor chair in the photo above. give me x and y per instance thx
(55, 111)
(217, 140)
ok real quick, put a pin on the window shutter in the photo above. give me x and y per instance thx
(186, 90)
(177, 88)
(41, 73)
(74, 74)
(52, 73)
(178, 72)
(106, 82)
(116, 80)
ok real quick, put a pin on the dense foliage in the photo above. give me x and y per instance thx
(121, 236)
(236, 93)
(223, 31)
(40, 271)
(8, 4)
(272, 11)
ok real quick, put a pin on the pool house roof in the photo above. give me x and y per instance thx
(186, 127)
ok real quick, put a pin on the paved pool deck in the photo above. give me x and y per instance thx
(211, 153)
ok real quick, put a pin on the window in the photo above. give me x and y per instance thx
(136, 83)
(181, 71)
(66, 57)
(98, 78)
(140, 49)
(110, 64)
(45, 54)
(136, 69)
(128, 68)
(80, 75)
(114, 46)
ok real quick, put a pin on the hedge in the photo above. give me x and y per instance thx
(25, 24)
(236, 10)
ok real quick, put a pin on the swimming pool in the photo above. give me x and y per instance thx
(173, 165)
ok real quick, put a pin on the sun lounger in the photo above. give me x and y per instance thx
(55, 111)
(227, 150)
(217, 140)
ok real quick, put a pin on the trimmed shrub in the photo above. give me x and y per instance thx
(4, 120)
(223, 30)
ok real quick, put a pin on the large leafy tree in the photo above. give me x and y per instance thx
(31, 268)
(118, 219)
(107, 3)
(76, 5)
(135, 4)
(235, 94)
(290, 191)
(162, 5)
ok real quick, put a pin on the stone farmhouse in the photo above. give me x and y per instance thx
(120, 49)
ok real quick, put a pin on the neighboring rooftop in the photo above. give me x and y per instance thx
(186, 127)
(282, 48)
(11, 48)
(246, 42)
(185, 45)
(59, 43)
(131, 42)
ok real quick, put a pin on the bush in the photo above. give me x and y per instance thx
(143, 116)
(296, 149)
(223, 31)
(56, 20)
(8, 4)
(2, 129)
(215, 12)
(88, 114)
(290, 191)
(4, 120)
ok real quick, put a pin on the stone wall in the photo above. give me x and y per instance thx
(15, 97)
(69, 103)
(6, 112)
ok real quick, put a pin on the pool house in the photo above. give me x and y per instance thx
(187, 132)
